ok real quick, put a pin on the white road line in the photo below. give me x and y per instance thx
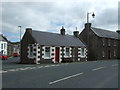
(29, 68)
(32, 67)
(52, 65)
(4, 71)
(47, 66)
(65, 78)
(98, 68)
(114, 64)
(57, 65)
(12, 70)
(40, 67)
(29, 65)
(0, 71)
(17, 69)
(22, 69)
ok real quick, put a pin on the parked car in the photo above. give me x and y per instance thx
(3, 57)
(15, 54)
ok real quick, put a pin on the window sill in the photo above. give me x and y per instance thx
(47, 57)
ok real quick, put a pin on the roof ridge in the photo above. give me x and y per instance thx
(48, 39)
(103, 29)
(53, 33)
(105, 33)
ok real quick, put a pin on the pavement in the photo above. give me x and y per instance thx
(89, 74)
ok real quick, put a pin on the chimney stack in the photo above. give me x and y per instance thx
(62, 31)
(118, 31)
(88, 25)
(29, 30)
(76, 33)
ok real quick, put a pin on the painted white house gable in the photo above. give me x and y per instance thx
(3, 47)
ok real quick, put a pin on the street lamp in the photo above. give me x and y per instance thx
(93, 15)
(20, 32)
(20, 41)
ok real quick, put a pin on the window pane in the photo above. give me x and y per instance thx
(67, 52)
(82, 50)
(2, 45)
(31, 51)
(47, 51)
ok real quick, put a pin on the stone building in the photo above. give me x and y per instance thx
(101, 44)
(44, 47)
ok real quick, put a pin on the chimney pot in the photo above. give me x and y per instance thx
(62, 31)
(76, 33)
(29, 30)
(118, 31)
(88, 25)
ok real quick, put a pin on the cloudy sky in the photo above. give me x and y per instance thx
(51, 15)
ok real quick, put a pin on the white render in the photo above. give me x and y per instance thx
(4, 48)
(52, 53)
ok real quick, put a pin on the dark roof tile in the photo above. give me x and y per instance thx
(105, 33)
(53, 39)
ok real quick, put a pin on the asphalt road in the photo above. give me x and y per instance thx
(95, 74)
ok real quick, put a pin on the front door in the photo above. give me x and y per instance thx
(57, 52)
(109, 54)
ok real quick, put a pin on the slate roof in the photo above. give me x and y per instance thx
(2, 38)
(53, 39)
(105, 33)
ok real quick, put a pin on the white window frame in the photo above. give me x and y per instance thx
(29, 46)
(66, 52)
(2, 46)
(83, 53)
(45, 52)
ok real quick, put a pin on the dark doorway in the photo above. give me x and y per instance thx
(75, 54)
(109, 54)
(57, 54)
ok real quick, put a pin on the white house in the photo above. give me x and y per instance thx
(3, 44)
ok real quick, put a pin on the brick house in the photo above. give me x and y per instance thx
(102, 44)
(44, 47)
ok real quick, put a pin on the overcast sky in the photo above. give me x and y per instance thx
(50, 16)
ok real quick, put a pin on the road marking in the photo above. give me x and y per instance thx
(27, 68)
(22, 69)
(52, 65)
(47, 66)
(32, 67)
(114, 64)
(98, 68)
(57, 65)
(4, 71)
(40, 67)
(65, 78)
(0, 71)
(17, 69)
(12, 70)
(29, 65)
